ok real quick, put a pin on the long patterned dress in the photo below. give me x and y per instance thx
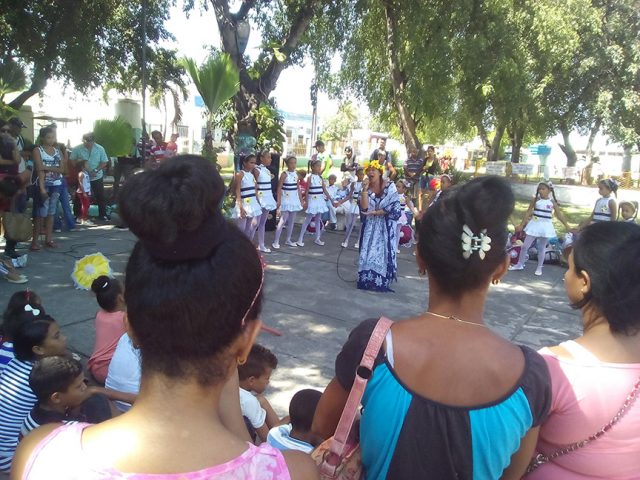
(377, 265)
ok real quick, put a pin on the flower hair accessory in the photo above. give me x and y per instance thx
(373, 164)
(470, 242)
(34, 311)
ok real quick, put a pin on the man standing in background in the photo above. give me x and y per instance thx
(97, 162)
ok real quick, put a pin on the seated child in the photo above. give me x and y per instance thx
(109, 324)
(11, 319)
(59, 384)
(124, 371)
(297, 434)
(38, 336)
(254, 376)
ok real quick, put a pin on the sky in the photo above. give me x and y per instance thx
(199, 31)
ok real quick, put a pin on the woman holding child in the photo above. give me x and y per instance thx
(448, 398)
(193, 326)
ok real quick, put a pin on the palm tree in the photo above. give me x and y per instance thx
(217, 80)
(12, 79)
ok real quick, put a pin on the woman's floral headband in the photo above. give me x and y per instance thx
(373, 164)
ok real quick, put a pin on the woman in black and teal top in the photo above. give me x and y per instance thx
(448, 398)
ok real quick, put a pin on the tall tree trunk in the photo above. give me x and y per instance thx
(595, 128)
(406, 122)
(626, 157)
(495, 144)
(253, 92)
(484, 138)
(516, 135)
(567, 148)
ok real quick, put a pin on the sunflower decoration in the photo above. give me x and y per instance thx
(373, 164)
(88, 268)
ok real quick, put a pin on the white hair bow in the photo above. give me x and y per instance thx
(34, 311)
(471, 242)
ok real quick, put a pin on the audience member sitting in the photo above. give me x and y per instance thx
(37, 336)
(59, 384)
(593, 376)
(109, 324)
(254, 377)
(11, 319)
(297, 434)
(124, 370)
(193, 325)
(448, 398)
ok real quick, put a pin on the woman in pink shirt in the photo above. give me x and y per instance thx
(193, 291)
(109, 324)
(599, 372)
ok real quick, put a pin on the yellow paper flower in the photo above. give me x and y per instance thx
(373, 164)
(247, 201)
(88, 268)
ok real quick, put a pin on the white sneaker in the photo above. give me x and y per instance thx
(20, 262)
(344, 244)
(89, 223)
(264, 249)
(276, 246)
(356, 245)
(516, 267)
(319, 242)
(397, 250)
(289, 243)
(300, 244)
(538, 271)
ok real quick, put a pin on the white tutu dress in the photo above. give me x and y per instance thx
(353, 206)
(248, 194)
(315, 196)
(265, 194)
(540, 224)
(290, 199)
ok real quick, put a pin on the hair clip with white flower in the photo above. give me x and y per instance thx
(470, 242)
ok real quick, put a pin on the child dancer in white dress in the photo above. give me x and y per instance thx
(605, 209)
(265, 196)
(539, 226)
(352, 207)
(289, 201)
(314, 199)
(247, 206)
(408, 211)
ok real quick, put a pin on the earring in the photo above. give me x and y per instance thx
(495, 281)
(241, 361)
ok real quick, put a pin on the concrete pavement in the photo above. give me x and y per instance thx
(306, 299)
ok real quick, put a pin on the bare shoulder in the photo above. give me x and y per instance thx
(27, 446)
(301, 466)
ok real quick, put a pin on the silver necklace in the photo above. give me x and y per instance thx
(452, 317)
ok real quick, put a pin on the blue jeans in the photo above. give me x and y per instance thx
(65, 201)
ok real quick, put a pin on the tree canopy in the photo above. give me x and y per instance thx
(84, 43)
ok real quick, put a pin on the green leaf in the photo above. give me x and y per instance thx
(217, 79)
(116, 136)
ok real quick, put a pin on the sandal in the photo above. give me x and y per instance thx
(51, 244)
(35, 247)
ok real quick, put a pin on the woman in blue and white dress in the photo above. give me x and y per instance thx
(380, 204)
(265, 197)
(314, 199)
(289, 201)
(352, 207)
(539, 226)
(247, 208)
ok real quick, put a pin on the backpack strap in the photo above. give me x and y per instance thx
(363, 373)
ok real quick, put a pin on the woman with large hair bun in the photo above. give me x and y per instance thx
(193, 292)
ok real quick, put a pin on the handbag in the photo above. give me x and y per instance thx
(18, 226)
(339, 457)
(540, 459)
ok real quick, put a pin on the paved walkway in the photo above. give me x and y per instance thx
(307, 301)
